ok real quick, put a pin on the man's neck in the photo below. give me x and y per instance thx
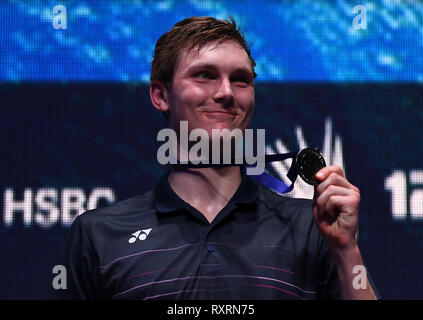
(206, 189)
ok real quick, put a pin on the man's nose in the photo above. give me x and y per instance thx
(224, 93)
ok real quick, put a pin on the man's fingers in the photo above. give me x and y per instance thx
(332, 190)
(335, 179)
(326, 171)
(333, 205)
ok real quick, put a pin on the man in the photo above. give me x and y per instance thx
(212, 233)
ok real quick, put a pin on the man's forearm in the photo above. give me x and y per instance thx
(352, 275)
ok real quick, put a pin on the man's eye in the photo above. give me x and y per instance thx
(204, 75)
(241, 79)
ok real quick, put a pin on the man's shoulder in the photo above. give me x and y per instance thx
(297, 210)
(294, 213)
(135, 205)
(276, 200)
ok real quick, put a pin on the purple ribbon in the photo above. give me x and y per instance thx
(272, 182)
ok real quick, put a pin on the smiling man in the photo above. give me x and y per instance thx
(212, 88)
(213, 233)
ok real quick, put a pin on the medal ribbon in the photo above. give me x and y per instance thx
(264, 178)
(272, 182)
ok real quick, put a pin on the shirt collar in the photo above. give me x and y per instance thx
(166, 200)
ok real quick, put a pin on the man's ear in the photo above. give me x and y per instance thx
(159, 96)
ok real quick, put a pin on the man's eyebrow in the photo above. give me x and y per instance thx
(214, 67)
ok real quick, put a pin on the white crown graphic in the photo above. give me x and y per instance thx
(331, 151)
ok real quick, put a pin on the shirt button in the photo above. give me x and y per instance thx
(210, 248)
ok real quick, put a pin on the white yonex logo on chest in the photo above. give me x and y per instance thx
(140, 234)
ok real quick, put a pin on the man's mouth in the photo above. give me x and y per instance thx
(220, 114)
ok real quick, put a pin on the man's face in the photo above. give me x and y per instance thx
(213, 89)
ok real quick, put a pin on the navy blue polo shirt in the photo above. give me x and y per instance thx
(156, 246)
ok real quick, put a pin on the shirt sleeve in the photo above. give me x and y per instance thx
(81, 263)
(328, 277)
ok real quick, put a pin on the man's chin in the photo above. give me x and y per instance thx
(209, 126)
(220, 126)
